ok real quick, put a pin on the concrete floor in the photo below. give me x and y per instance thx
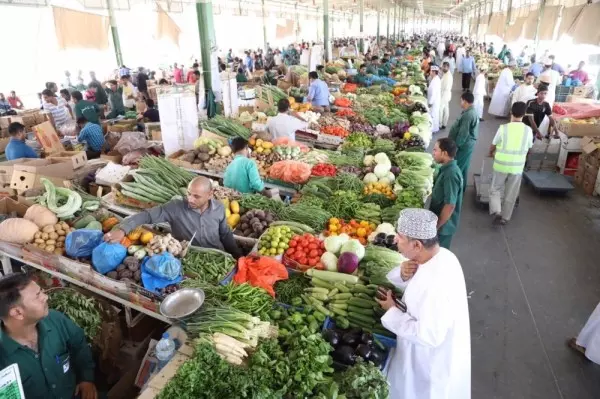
(532, 284)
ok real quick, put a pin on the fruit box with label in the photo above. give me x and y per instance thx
(27, 175)
(77, 158)
(47, 137)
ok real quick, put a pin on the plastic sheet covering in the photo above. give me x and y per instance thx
(579, 111)
(111, 174)
(549, 22)
(584, 31)
(166, 28)
(569, 15)
(530, 25)
(76, 29)
(514, 31)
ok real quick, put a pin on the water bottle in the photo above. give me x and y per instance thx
(164, 350)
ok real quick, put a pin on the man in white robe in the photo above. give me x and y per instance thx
(479, 91)
(441, 49)
(431, 323)
(526, 91)
(434, 98)
(460, 53)
(447, 82)
(588, 340)
(501, 96)
(551, 77)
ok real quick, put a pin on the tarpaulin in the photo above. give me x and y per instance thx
(548, 23)
(76, 29)
(514, 31)
(569, 15)
(496, 26)
(584, 30)
(166, 28)
(287, 30)
(530, 25)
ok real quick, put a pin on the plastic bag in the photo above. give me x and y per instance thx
(260, 271)
(163, 265)
(81, 243)
(290, 171)
(133, 157)
(131, 141)
(107, 256)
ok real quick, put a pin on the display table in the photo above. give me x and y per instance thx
(158, 381)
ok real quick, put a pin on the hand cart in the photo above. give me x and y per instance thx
(541, 170)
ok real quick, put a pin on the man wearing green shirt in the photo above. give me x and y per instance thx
(53, 356)
(373, 66)
(361, 77)
(446, 196)
(115, 100)
(241, 76)
(385, 67)
(242, 173)
(464, 133)
(84, 108)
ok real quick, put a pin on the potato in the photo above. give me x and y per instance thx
(38, 235)
(64, 225)
(59, 251)
(50, 242)
(39, 241)
(60, 244)
(61, 239)
(53, 236)
(48, 229)
(61, 232)
(44, 236)
(57, 226)
(42, 246)
(50, 248)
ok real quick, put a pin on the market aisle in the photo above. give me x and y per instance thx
(533, 283)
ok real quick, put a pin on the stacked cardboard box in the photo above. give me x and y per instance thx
(589, 163)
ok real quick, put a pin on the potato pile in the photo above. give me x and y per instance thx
(52, 237)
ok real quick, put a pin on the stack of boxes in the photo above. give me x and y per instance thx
(589, 163)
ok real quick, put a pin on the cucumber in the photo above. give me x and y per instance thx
(332, 277)
(343, 306)
(315, 290)
(361, 288)
(317, 282)
(378, 342)
(323, 310)
(345, 296)
(362, 303)
(359, 316)
(363, 296)
(84, 221)
(341, 322)
(384, 332)
(341, 287)
(365, 311)
(320, 296)
(339, 311)
(333, 292)
(360, 324)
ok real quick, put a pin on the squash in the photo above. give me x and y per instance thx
(109, 223)
(81, 223)
(40, 215)
(126, 242)
(233, 220)
(235, 207)
(18, 231)
(135, 234)
(146, 237)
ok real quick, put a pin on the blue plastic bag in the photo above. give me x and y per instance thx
(106, 257)
(81, 243)
(164, 266)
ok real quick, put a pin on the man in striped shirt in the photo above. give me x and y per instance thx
(59, 112)
(91, 134)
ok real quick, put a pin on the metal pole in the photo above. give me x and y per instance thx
(536, 39)
(361, 12)
(388, 26)
(395, 35)
(478, 22)
(207, 39)
(326, 28)
(114, 32)
(508, 17)
(264, 22)
(414, 22)
(378, 18)
(297, 22)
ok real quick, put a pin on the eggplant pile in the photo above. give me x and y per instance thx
(387, 241)
(352, 343)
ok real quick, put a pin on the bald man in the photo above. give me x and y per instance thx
(198, 213)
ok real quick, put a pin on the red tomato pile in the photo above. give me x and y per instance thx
(323, 169)
(306, 249)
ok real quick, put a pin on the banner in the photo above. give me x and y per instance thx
(76, 29)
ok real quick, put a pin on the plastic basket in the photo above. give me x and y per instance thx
(389, 343)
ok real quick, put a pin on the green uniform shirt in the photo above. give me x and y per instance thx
(465, 129)
(87, 109)
(115, 100)
(63, 361)
(242, 175)
(241, 78)
(372, 70)
(361, 80)
(448, 190)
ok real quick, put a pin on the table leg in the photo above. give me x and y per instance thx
(6, 265)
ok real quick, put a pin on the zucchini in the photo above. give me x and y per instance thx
(341, 322)
(362, 288)
(365, 311)
(315, 290)
(332, 293)
(359, 316)
(341, 287)
(339, 311)
(345, 296)
(362, 303)
(323, 310)
(332, 277)
(360, 324)
(343, 306)
(363, 296)
(321, 283)
(320, 296)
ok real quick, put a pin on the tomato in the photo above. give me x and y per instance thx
(319, 266)
(297, 256)
(303, 261)
(290, 251)
(313, 246)
(322, 246)
(313, 261)
(313, 253)
(293, 243)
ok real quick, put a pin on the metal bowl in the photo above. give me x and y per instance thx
(182, 303)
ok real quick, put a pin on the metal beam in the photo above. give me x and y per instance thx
(388, 25)
(208, 40)
(536, 38)
(326, 28)
(115, 32)
(378, 22)
(361, 12)
(264, 23)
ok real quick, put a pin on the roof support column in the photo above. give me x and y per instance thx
(208, 40)
(115, 33)
(378, 21)
(478, 22)
(264, 24)
(388, 25)
(361, 43)
(326, 28)
(536, 39)
(395, 34)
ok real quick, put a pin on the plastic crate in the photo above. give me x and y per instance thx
(562, 92)
(389, 343)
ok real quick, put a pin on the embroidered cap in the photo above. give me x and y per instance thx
(435, 68)
(417, 223)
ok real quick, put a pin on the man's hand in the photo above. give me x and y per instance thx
(538, 135)
(408, 269)
(114, 236)
(86, 390)
(388, 302)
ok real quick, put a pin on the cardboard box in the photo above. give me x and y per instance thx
(580, 129)
(3, 143)
(173, 158)
(28, 175)
(47, 137)
(8, 206)
(210, 135)
(578, 178)
(4, 122)
(112, 156)
(6, 169)
(588, 187)
(22, 181)
(77, 158)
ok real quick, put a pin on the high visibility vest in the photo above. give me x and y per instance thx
(512, 152)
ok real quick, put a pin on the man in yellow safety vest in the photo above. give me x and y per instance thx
(509, 150)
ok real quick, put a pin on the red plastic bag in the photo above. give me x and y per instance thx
(260, 271)
(290, 171)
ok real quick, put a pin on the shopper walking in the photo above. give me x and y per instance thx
(501, 96)
(467, 66)
(464, 132)
(588, 341)
(447, 82)
(479, 92)
(509, 150)
(431, 323)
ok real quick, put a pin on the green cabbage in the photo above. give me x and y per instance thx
(355, 247)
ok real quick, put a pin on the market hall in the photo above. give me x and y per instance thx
(350, 199)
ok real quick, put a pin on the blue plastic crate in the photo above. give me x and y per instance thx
(389, 343)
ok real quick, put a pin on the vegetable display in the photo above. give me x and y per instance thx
(226, 127)
(288, 291)
(82, 310)
(275, 241)
(323, 169)
(253, 223)
(207, 265)
(52, 237)
(306, 250)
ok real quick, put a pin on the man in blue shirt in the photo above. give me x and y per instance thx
(16, 147)
(91, 134)
(536, 68)
(558, 68)
(318, 93)
(468, 69)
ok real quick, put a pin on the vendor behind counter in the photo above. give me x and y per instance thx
(198, 214)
